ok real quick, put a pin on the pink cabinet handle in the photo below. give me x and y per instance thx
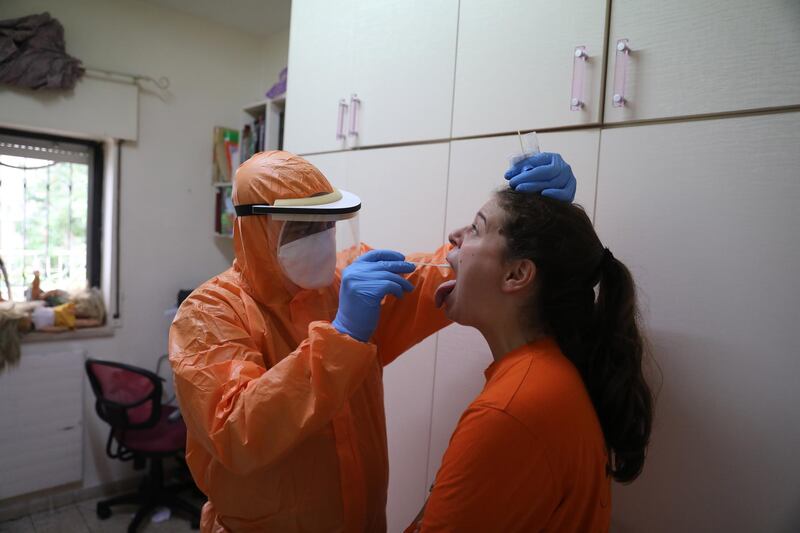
(579, 59)
(620, 72)
(355, 103)
(340, 121)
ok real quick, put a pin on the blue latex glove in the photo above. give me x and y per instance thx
(364, 284)
(546, 173)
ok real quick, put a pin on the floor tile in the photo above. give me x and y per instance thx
(62, 520)
(121, 516)
(20, 525)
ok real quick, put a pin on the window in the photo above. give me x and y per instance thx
(50, 211)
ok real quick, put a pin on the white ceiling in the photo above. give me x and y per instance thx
(259, 17)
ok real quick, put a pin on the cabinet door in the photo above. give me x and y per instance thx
(705, 215)
(333, 166)
(515, 64)
(476, 169)
(693, 58)
(403, 194)
(403, 62)
(319, 63)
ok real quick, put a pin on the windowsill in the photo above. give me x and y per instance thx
(76, 334)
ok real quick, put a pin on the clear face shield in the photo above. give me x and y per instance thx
(317, 234)
(310, 248)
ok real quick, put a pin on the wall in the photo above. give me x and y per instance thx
(274, 57)
(166, 199)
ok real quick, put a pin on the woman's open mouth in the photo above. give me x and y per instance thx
(443, 291)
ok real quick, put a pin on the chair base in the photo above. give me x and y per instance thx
(151, 495)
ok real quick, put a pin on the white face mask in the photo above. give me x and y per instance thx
(310, 262)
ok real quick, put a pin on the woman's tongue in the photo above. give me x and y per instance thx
(443, 291)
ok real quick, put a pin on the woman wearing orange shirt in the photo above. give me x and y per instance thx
(565, 407)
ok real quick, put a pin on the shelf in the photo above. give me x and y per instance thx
(256, 108)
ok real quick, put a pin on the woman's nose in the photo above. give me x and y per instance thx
(456, 237)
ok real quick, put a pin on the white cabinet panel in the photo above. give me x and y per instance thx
(461, 357)
(515, 61)
(403, 64)
(402, 194)
(408, 393)
(705, 215)
(692, 57)
(333, 166)
(319, 67)
(477, 167)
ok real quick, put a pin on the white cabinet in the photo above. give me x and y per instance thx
(476, 169)
(402, 190)
(403, 193)
(319, 70)
(515, 65)
(690, 58)
(705, 215)
(367, 73)
(403, 62)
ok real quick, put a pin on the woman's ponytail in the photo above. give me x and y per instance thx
(614, 375)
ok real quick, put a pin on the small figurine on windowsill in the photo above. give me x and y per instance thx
(36, 289)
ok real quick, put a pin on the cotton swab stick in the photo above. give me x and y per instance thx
(443, 265)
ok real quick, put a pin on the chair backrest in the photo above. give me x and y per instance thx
(128, 397)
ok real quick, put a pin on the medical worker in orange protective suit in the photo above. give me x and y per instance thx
(278, 361)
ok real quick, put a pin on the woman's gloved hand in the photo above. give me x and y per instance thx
(364, 284)
(546, 173)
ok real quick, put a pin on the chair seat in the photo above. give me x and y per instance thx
(164, 437)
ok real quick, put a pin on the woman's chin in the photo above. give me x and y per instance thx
(451, 309)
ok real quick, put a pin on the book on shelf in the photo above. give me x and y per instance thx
(225, 153)
(225, 212)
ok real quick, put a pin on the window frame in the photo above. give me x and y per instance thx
(94, 218)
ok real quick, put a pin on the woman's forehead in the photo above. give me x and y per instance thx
(491, 211)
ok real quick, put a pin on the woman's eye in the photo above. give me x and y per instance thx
(474, 228)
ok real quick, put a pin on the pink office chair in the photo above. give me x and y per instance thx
(129, 400)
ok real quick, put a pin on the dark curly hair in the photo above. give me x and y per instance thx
(598, 332)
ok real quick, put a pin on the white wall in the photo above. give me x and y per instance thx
(166, 197)
(274, 57)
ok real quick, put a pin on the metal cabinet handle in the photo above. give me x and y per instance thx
(340, 121)
(621, 72)
(355, 103)
(579, 59)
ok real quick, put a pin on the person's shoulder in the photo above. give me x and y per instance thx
(550, 391)
(219, 295)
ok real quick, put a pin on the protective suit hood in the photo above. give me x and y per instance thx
(265, 178)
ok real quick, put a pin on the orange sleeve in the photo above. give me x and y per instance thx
(494, 476)
(406, 321)
(247, 416)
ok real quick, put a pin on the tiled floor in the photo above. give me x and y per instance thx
(82, 518)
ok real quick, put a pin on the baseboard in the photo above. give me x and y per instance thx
(53, 498)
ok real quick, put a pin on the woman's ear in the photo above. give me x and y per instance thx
(519, 275)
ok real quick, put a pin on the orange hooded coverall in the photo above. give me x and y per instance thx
(285, 416)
